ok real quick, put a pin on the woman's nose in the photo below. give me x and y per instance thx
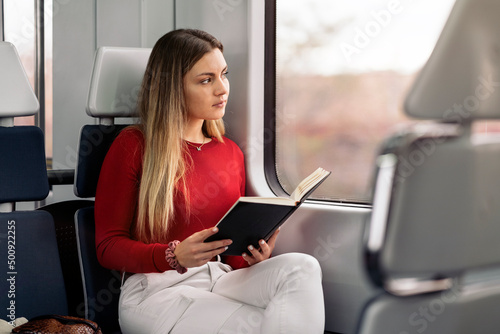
(222, 87)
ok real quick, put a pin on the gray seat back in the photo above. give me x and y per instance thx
(115, 83)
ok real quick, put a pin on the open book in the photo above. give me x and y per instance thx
(251, 219)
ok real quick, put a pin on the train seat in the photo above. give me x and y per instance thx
(115, 83)
(432, 238)
(31, 280)
(116, 80)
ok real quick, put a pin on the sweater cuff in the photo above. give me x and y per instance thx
(159, 259)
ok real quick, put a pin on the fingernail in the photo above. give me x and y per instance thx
(262, 242)
(244, 254)
(215, 229)
(226, 248)
(250, 247)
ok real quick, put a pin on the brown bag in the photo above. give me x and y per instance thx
(51, 324)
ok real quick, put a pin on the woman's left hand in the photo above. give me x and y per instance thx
(264, 252)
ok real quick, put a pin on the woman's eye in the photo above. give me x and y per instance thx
(207, 80)
(224, 74)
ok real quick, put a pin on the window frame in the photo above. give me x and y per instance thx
(269, 141)
(2, 35)
(270, 100)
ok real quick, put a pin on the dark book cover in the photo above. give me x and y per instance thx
(247, 223)
(251, 219)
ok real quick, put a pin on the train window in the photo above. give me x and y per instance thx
(342, 69)
(21, 29)
(490, 127)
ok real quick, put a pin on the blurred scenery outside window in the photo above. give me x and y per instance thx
(343, 69)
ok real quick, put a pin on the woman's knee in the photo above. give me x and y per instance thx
(305, 261)
(299, 265)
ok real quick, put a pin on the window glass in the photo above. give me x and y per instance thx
(343, 68)
(486, 128)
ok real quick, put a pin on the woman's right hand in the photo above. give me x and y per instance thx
(194, 252)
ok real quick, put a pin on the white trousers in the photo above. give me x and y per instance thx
(280, 295)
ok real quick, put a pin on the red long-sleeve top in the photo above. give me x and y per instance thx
(215, 181)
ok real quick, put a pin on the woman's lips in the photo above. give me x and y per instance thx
(220, 104)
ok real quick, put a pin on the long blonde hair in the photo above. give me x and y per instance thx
(163, 117)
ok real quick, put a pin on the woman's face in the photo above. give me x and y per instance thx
(206, 87)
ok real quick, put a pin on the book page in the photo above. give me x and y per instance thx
(270, 200)
(308, 183)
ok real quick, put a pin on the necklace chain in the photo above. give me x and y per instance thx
(197, 147)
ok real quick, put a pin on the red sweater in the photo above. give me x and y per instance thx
(216, 180)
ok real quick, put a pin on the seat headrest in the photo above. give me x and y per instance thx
(461, 80)
(16, 95)
(116, 81)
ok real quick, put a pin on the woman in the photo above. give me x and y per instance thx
(164, 185)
